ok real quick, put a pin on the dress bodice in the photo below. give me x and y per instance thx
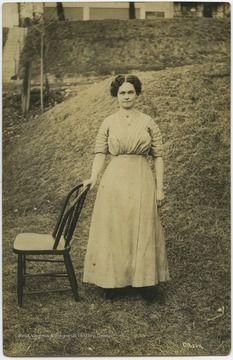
(139, 136)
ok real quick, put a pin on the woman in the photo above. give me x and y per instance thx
(126, 244)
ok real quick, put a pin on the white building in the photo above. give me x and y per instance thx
(84, 11)
(10, 16)
(14, 14)
(112, 10)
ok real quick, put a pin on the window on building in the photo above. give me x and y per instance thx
(154, 14)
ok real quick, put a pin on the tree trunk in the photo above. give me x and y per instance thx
(132, 10)
(60, 12)
(26, 88)
(47, 87)
(45, 70)
(19, 15)
(42, 73)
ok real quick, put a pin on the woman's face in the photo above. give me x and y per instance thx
(126, 96)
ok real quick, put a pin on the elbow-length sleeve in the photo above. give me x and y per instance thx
(156, 149)
(101, 143)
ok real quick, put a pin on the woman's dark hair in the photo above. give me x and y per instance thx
(120, 79)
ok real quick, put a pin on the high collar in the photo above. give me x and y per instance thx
(127, 113)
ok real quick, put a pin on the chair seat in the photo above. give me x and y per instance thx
(36, 242)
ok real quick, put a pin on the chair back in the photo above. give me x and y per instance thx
(69, 215)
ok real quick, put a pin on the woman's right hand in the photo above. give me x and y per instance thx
(91, 181)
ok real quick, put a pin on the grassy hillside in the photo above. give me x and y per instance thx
(101, 47)
(53, 152)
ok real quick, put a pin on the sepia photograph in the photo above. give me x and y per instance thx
(116, 186)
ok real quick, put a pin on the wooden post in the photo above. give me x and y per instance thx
(60, 11)
(132, 14)
(26, 88)
(42, 72)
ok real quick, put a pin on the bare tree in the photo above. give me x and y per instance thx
(132, 14)
(36, 47)
(42, 51)
(60, 11)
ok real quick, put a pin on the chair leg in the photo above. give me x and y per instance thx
(20, 280)
(71, 275)
(24, 269)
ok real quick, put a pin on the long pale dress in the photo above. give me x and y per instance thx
(126, 243)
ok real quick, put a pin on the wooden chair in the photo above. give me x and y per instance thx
(57, 244)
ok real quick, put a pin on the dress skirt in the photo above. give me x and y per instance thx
(126, 242)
